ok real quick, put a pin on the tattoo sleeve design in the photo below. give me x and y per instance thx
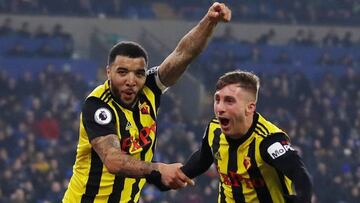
(117, 161)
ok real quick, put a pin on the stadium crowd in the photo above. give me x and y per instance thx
(21, 42)
(280, 11)
(38, 134)
(40, 111)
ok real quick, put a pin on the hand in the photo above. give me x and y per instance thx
(219, 12)
(173, 177)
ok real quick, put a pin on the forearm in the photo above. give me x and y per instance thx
(303, 185)
(117, 162)
(294, 169)
(187, 49)
(196, 165)
(195, 40)
(122, 164)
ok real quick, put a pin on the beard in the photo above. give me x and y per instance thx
(117, 97)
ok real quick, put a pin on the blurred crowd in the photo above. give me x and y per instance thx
(280, 11)
(40, 110)
(39, 132)
(23, 42)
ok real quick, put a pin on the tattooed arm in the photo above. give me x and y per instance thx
(192, 44)
(117, 162)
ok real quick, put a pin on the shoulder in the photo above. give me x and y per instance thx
(264, 127)
(276, 145)
(102, 91)
(97, 109)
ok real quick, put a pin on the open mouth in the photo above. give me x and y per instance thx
(129, 92)
(224, 122)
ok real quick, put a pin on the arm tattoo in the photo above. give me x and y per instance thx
(117, 161)
(187, 49)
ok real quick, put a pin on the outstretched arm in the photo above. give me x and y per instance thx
(192, 44)
(200, 161)
(99, 124)
(119, 163)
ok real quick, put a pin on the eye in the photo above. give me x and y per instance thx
(216, 99)
(122, 71)
(140, 73)
(229, 100)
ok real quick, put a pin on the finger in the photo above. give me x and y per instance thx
(178, 165)
(225, 13)
(177, 183)
(213, 14)
(184, 178)
(190, 182)
(217, 7)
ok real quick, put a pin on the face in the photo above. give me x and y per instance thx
(127, 77)
(233, 106)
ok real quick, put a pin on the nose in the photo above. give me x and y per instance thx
(131, 80)
(219, 108)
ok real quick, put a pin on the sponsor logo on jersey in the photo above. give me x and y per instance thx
(278, 149)
(247, 162)
(144, 108)
(136, 143)
(237, 180)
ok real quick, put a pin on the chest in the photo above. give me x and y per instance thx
(239, 164)
(136, 128)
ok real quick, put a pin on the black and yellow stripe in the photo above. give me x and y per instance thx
(244, 175)
(91, 182)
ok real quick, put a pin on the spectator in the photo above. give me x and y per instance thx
(40, 33)
(6, 28)
(24, 32)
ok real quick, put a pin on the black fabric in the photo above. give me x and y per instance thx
(200, 161)
(155, 178)
(93, 128)
(93, 183)
(288, 163)
(254, 172)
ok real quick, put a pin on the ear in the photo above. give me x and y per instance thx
(108, 72)
(250, 108)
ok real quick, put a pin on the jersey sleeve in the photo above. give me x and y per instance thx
(201, 160)
(276, 150)
(98, 118)
(153, 81)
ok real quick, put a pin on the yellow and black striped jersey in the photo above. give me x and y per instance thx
(103, 114)
(259, 167)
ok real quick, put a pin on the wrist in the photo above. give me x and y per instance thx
(209, 21)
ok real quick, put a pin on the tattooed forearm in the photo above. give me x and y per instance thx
(116, 161)
(132, 167)
(187, 49)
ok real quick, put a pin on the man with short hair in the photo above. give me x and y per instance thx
(254, 158)
(118, 120)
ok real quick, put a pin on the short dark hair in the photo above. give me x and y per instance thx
(129, 49)
(246, 80)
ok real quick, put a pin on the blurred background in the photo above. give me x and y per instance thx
(52, 53)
